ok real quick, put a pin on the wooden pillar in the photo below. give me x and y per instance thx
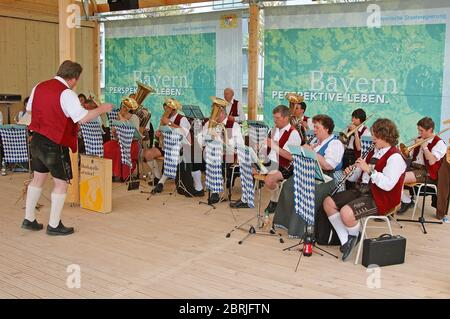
(96, 57)
(67, 52)
(253, 59)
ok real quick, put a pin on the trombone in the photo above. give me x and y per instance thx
(406, 150)
(344, 137)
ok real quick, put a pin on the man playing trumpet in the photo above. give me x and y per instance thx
(299, 120)
(353, 150)
(426, 159)
(173, 119)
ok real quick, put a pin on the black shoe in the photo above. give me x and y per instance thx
(198, 193)
(239, 204)
(158, 188)
(61, 230)
(34, 225)
(404, 207)
(214, 198)
(270, 209)
(342, 247)
(349, 245)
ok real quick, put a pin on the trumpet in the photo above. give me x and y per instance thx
(353, 168)
(344, 137)
(406, 150)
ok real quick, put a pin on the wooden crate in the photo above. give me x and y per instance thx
(96, 184)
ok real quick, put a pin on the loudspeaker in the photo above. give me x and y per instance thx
(120, 5)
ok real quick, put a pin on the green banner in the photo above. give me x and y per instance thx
(393, 71)
(178, 66)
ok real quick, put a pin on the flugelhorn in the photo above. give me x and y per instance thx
(344, 137)
(406, 150)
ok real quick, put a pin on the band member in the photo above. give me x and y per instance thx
(298, 109)
(381, 177)
(173, 119)
(329, 151)
(226, 130)
(22, 112)
(233, 109)
(280, 138)
(112, 148)
(443, 193)
(426, 159)
(82, 98)
(56, 110)
(353, 150)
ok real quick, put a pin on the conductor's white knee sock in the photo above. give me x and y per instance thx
(33, 195)
(56, 209)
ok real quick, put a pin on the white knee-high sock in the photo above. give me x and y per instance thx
(275, 194)
(56, 209)
(354, 231)
(153, 164)
(406, 199)
(197, 177)
(163, 179)
(339, 227)
(33, 195)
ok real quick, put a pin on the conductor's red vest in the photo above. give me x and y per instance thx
(48, 118)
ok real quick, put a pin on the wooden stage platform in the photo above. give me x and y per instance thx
(145, 249)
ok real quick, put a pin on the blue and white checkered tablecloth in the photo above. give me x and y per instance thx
(245, 169)
(213, 158)
(125, 134)
(172, 146)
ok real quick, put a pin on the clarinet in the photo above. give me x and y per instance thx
(353, 167)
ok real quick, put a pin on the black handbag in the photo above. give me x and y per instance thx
(385, 250)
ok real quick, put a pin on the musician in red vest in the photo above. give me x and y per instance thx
(55, 111)
(174, 120)
(353, 150)
(426, 160)
(380, 178)
(279, 166)
(233, 138)
(233, 109)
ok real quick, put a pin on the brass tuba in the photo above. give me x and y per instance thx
(141, 94)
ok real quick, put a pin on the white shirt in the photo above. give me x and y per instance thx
(333, 153)
(185, 126)
(388, 178)
(241, 115)
(351, 143)
(439, 151)
(294, 140)
(235, 138)
(70, 104)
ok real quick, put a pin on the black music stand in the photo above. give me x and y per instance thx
(421, 219)
(193, 111)
(300, 152)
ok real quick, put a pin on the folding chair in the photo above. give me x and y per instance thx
(384, 218)
(422, 190)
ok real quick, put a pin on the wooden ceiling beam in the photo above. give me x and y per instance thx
(102, 8)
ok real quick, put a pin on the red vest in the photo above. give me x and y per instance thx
(48, 118)
(234, 108)
(386, 200)
(178, 119)
(358, 153)
(431, 169)
(283, 139)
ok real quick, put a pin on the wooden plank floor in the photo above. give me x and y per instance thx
(153, 249)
